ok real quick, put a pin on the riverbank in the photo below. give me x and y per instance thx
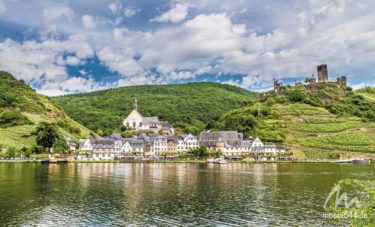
(178, 161)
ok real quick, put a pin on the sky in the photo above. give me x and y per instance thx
(68, 46)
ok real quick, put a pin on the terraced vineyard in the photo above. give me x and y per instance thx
(19, 102)
(313, 132)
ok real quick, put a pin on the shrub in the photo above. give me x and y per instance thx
(11, 152)
(11, 118)
(296, 95)
(35, 149)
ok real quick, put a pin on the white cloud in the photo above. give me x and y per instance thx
(55, 13)
(115, 7)
(203, 37)
(142, 79)
(280, 40)
(43, 62)
(71, 85)
(52, 92)
(89, 21)
(2, 7)
(176, 14)
(119, 62)
(72, 60)
(362, 85)
(182, 75)
(129, 11)
(92, 22)
(247, 80)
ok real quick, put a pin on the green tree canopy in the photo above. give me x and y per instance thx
(11, 152)
(46, 135)
(61, 146)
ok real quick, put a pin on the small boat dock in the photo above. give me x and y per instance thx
(354, 161)
(217, 161)
(54, 161)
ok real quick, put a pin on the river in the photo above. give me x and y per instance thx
(169, 194)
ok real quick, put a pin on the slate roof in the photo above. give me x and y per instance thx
(165, 125)
(270, 145)
(134, 142)
(102, 143)
(233, 143)
(145, 138)
(148, 120)
(247, 143)
(220, 135)
(116, 136)
(173, 138)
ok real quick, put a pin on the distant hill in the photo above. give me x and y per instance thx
(21, 109)
(191, 107)
(325, 122)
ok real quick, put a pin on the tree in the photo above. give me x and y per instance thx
(200, 151)
(46, 135)
(24, 151)
(35, 149)
(297, 95)
(61, 146)
(11, 152)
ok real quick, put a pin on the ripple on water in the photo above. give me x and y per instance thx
(169, 194)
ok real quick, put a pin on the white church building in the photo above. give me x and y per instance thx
(137, 122)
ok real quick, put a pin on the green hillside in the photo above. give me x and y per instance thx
(21, 109)
(367, 93)
(326, 122)
(191, 107)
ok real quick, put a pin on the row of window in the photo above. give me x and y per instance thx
(134, 124)
(160, 149)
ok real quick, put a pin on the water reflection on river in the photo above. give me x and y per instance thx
(169, 194)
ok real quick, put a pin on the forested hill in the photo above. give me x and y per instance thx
(189, 106)
(328, 121)
(22, 109)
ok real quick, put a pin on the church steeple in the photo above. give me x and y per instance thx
(135, 104)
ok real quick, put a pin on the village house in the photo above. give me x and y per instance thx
(186, 143)
(172, 142)
(103, 149)
(231, 143)
(132, 146)
(211, 139)
(71, 143)
(160, 144)
(137, 122)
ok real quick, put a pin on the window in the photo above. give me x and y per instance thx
(134, 124)
(127, 124)
(140, 124)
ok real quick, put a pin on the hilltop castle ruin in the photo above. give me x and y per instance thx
(312, 82)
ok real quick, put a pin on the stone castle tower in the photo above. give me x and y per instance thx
(277, 86)
(342, 81)
(322, 73)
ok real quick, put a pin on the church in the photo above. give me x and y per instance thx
(137, 122)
